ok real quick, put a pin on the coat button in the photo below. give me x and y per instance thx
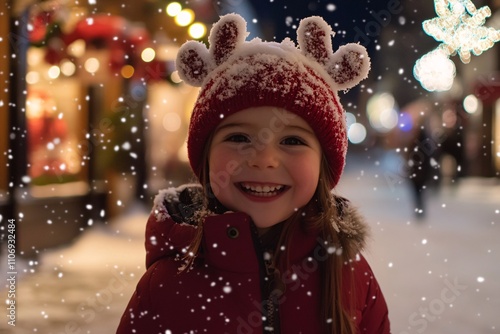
(232, 232)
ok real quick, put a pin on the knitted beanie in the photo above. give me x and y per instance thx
(235, 74)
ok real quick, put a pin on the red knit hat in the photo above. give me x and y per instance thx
(235, 74)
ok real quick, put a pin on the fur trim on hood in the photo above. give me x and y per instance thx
(184, 207)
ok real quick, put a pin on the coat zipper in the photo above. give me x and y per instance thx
(271, 295)
(268, 279)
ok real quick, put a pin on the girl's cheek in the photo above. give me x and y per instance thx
(223, 166)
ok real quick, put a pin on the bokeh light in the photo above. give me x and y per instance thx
(381, 110)
(127, 71)
(32, 77)
(54, 72)
(356, 133)
(68, 68)
(91, 65)
(35, 56)
(405, 122)
(185, 17)
(148, 54)
(350, 119)
(197, 30)
(173, 9)
(77, 48)
(471, 104)
(175, 77)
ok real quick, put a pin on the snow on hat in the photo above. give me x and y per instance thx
(235, 74)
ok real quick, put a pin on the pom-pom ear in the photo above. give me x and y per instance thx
(193, 63)
(226, 35)
(314, 37)
(349, 65)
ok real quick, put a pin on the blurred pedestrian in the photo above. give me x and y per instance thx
(423, 168)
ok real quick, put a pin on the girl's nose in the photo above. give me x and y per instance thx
(264, 157)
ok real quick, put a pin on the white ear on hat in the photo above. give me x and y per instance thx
(347, 66)
(194, 62)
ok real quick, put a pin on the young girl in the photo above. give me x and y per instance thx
(261, 245)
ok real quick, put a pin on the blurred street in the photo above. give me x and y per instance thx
(439, 274)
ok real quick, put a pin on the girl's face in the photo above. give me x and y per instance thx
(265, 162)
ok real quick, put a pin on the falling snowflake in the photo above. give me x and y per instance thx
(460, 28)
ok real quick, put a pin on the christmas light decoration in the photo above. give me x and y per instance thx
(435, 71)
(460, 29)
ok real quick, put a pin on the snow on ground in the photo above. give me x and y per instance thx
(439, 275)
(83, 288)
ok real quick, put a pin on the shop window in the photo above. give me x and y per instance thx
(55, 123)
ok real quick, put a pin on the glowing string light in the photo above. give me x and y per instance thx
(435, 71)
(460, 28)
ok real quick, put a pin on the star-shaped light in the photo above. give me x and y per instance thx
(460, 28)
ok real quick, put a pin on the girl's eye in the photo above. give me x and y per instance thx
(237, 138)
(292, 141)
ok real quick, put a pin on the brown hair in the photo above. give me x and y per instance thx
(334, 306)
(318, 215)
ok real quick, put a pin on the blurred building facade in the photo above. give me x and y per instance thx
(87, 87)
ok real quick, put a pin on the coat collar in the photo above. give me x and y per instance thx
(229, 239)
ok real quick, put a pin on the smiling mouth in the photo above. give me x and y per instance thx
(262, 190)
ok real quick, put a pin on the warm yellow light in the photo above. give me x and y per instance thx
(175, 77)
(148, 54)
(35, 107)
(35, 56)
(32, 77)
(68, 68)
(54, 72)
(91, 65)
(127, 71)
(185, 17)
(173, 9)
(77, 48)
(381, 110)
(197, 30)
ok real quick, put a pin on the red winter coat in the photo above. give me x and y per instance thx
(222, 292)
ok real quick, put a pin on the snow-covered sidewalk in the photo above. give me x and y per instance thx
(439, 275)
(82, 288)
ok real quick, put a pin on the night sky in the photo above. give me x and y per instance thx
(374, 24)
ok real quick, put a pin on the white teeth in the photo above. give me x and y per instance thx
(262, 189)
